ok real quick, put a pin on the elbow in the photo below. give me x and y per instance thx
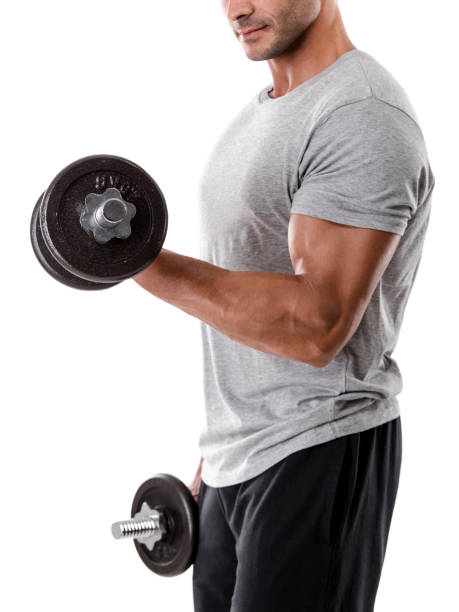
(317, 355)
(319, 360)
(324, 360)
(324, 328)
(328, 344)
(334, 344)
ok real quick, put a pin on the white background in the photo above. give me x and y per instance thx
(102, 390)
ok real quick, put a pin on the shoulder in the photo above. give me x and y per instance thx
(363, 86)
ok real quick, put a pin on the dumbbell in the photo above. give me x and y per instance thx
(101, 220)
(164, 525)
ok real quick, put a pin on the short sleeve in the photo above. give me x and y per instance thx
(362, 167)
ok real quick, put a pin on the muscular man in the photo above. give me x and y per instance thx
(313, 207)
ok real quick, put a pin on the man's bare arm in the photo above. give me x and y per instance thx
(275, 313)
(306, 316)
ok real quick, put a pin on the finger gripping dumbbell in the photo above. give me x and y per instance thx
(164, 525)
(101, 220)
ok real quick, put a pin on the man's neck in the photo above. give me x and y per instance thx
(312, 65)
(322, 44)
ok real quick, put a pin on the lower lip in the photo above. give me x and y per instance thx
(253, 33)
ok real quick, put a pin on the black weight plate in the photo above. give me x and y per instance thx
(78, 252)
(176, 551)
(50, 264)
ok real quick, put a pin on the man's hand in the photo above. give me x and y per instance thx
(196, 484)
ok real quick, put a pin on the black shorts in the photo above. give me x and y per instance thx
(309, 534)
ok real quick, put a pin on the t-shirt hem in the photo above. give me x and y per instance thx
(364, 221)
(362, 420)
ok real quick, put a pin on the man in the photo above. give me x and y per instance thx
(314, 207)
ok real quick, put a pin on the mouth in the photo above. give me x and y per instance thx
(251, 33)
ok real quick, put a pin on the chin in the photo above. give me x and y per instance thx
(255, 58)
(257, 55)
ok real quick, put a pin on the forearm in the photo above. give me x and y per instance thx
(274, 313)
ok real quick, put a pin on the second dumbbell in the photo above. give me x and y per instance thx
(164, 525)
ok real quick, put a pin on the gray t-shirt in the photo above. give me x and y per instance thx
(345, 146)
